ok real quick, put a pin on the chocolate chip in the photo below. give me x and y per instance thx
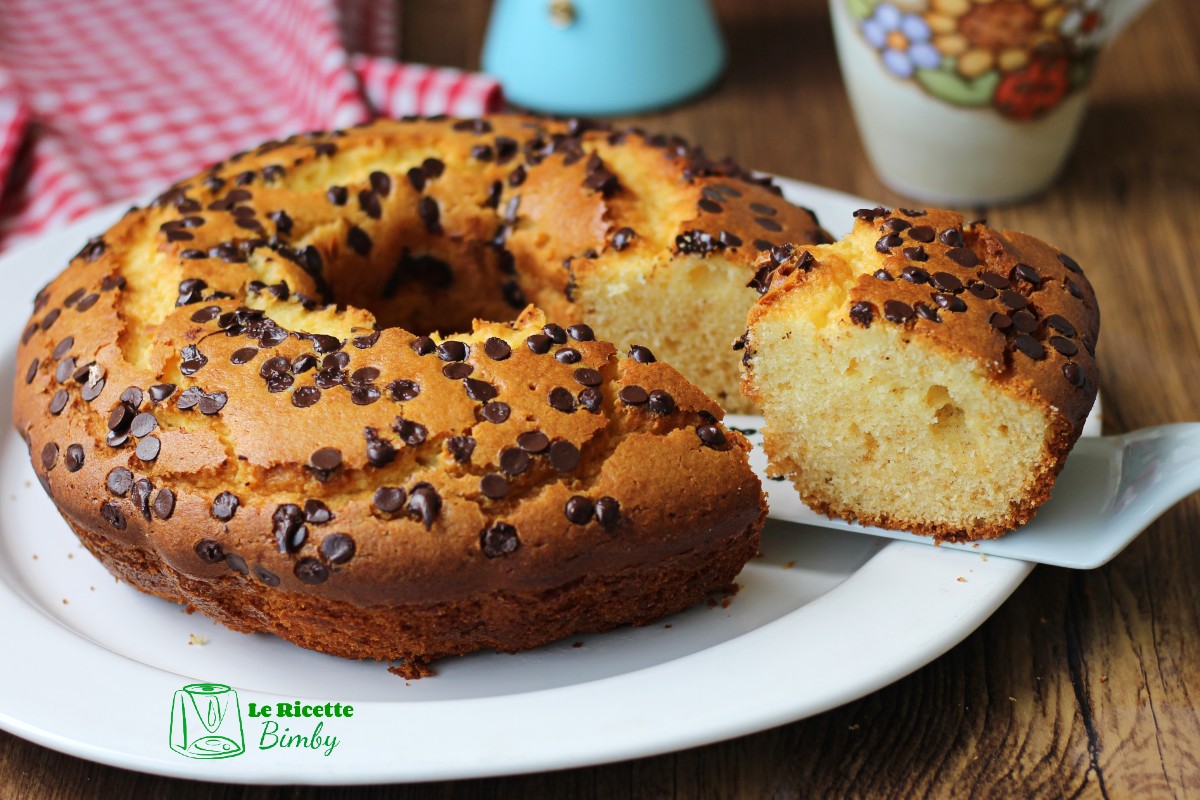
(1013, 299)
(457, 370)
(209, 551)
(461, 448)
(555, 332)
(895, 225)
(952, 237)
(423, 345)
(206, 314)
(641, 355)
(189, 397)
(306, 396)
(730, 240)
(115, 439)
(479, 391)
(113, 515)
(141, 497)
(915, 254)
(633, 395)
(49, 456)
(1028, 274)
(404, 390)
(498, 540)
(561, 399)
(120, 417)
(578, 510)
(161, 391)
(494, 485)
(192, 360)
(950, 302)
(324, 461)
(389, 499)
(364, 395)
(62, 372)
(411, 433)
(945, 282)
(211, 404)
(452, 351)
(368, 201)
(359, 240)
(63, 347)
(591, 399)
(50, 318)
(1069, 262)
(963, 256)
(265, 575)
(887, 242)
(92, 389)
(416, 177)
(366, 342)
(119, 481)
(1073, 374)
(1073, 288)
(288, 527)
(514, 460)
(424, 502)
(311, 571)
(224, 506)
(564, 456)
(73, 460)
(1000, 321)
(768, 224)
(496, 349)
(710, 435)
(164, 504)
(926, 313)
(58, 402)
(337, 195)
(568, 355)
(143, 424)
(914, 275)
(862, 313)
(1060, 324)
(1024, 321)
(581, 333)
(995, 280)
(981, 290)
(713, 207)
(430, 214)
(608, 512)
(338, 548)
(1029, 346)
(921, 233)
(897, 311)
(1064, 346)
(588, 376)
(622, 238)
(283, 223)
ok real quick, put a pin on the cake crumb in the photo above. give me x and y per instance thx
(1104, 679)
(93, 588)
(70, 555)
(961, 579)
(789, 565)
(854, 727)
(1011, 698)
(199, 641)
(35, 558)
(667, 625)
(66, 602)
(576, 644)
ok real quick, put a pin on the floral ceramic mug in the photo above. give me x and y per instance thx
(971, 101)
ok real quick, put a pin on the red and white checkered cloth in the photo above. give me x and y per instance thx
(107, 100)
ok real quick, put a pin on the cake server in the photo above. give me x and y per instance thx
(1110, 490)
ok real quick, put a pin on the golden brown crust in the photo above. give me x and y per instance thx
(259, 468)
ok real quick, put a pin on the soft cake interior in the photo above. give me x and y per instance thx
(876, 424)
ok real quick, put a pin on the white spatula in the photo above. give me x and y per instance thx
(1111, 489)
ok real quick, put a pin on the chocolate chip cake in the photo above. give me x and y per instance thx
(267, 394)
(923, 374)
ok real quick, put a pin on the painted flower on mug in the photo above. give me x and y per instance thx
(1020, 57)
(902, 39)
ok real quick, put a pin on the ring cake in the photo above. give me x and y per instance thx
(238, 398)
(923, 374)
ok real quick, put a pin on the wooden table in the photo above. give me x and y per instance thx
(1081, 684)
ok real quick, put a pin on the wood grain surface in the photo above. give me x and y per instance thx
(1081, 684)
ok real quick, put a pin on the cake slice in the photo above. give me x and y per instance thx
(922, 374)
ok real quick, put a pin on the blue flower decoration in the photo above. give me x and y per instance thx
(902, 39)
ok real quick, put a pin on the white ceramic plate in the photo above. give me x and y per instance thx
(91, 667)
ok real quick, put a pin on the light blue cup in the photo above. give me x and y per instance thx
(602, 57)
